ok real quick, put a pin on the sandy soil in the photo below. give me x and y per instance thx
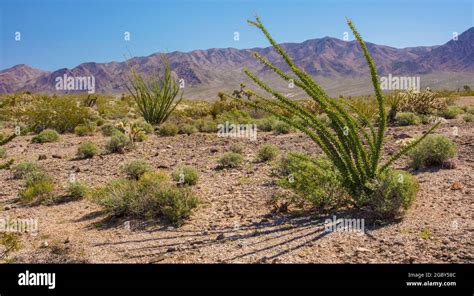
(235, 221)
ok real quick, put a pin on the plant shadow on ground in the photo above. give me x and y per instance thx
(262, 242)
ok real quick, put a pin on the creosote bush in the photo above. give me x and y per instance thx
(76, 190)
(281, 128)
(315, 182)
(136, 168)
(38, 188)
(23, 168)
(168, 129)
(86, 150)
(407, 118)
(188, 129)
(433, 151)
(450, 112)
(230, 160)
(186, 175)
(237, 148)
(267, 152)
(353, 149)
(149, 197)
(108, 129)
(46, 136)
(118, 143)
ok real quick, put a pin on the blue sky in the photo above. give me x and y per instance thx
(65, 33)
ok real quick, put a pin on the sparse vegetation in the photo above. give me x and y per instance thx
(136, 168)
(230, 160)
(118, 143)
(38, 188)
(76, 190)
(432, 152)
(46, 136)
(267, 152)
(168, 129)
(407, 118)
(450, 112)
(186, 175)
(86, 150)
(23, 168)
(237, 148)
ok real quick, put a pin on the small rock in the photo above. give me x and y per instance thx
(57, 156)
(171, 249)
(169, 146)
(214, 150)
(449, 164)
(220, 236)
(456, 186)
(67, 240)
(7, 208)
(163, 166)
(362, 250)
(42, 157)
(402, 136)
(45, 244)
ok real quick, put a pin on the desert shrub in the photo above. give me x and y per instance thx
(155, 96)
(237, 148)
(186, 175)
(117, 143)
(86, 150)
(134, 131)
(147, 199)
(407, 118)
(23, 168)
(168, 129)
(46, 136)
(206, 125)
(188, 129)
(266, 124)
(197, 109)
(38, 188)
(469, 109)
(432, 152)
(468, 118)
(145, 126)
(230, 160)
(450, 112)
(234, 116)
(420, 102)
(354, 150)
(394, 192)
(60, 113)
(267, 152)
(11, 242)
(154, 177)
(76, 190)
(313, 181)
(86, 129)
(136, 168)
(281, 128)
(3, 152)
(108, 129)
(425, 119)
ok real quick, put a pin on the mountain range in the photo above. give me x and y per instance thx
(338, 65)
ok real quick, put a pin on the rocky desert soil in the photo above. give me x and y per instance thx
(236, 221)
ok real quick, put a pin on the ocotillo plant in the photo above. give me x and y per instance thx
(354, 151)
(155, 96)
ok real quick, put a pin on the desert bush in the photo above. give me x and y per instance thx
(394, 192)
(59, 113)
(237, 148)
(188, 129)
(313, 181)
(23, 168)
(407, 118)
(11, 242)
(468, 118)
(144, 126)
(433, 151)
(86, 150)
(168, 129)
(206, 125)
(234, 116)
(469, 109)
(136, 168)
(3, 152)
(267, 152)
(46, 136)
(118, 143)
(108, 129)
(353, 150)
(38, 188)
(450, 112)
(424, 102)
(281, 128)
(76, 190)
(155, 96)
(186, 175)
(86, 129)
(147, 199)
(266, 124)
(230, 160)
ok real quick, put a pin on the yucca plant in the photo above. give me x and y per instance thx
(354, 150)
(155, 96)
